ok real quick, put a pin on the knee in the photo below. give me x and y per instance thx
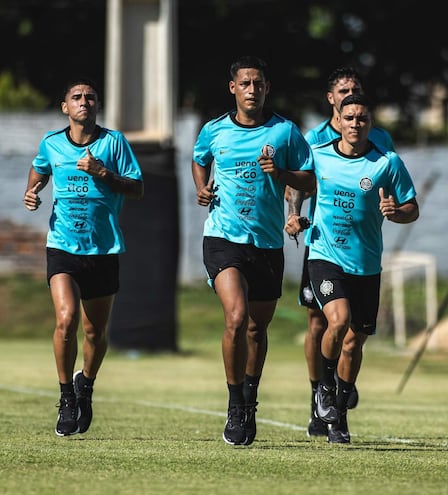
(66, 326)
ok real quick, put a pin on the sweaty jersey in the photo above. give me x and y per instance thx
(249, 203)
(324, 133)
(347, 220)
(85, 213)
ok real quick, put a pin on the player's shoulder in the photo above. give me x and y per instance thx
(54, 134)
(321, 133)
(381, 137)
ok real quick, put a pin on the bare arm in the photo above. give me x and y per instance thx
(36, 182)
(295, 200)
(204, 187)
(130, 188)
(406, 213)
(298, 179)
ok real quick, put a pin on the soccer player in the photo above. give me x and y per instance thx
(255, 153)
(92, 169)
(359, 183)
(342, 82)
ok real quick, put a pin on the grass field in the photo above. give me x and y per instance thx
(158, 418)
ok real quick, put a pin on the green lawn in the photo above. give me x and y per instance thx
(158, 418)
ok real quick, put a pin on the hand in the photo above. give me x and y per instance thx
(267, 163)
(206, 195)
(296, 224)
(31, 198)
(388, 207)
(91, 165)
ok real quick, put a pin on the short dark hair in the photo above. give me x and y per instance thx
(249, 62)
(87, 81)
(342, 73)
(356, 99)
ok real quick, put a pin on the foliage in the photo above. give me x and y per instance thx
(302, 41)
(19, 96)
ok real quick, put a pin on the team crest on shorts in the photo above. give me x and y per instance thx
(326, 287)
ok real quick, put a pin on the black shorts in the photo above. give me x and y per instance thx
(96, 275)
(262, 268)
(306, 295)
(330, 282)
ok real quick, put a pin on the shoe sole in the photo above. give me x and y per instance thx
(66, 434)
(229, 442)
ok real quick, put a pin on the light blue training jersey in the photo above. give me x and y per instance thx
(324, 133)
(347, 220)
(249, 207)
(85, 213)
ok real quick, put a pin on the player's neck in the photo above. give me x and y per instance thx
(82, 134)
(254, 119)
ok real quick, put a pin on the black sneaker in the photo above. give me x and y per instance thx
(68, 414)
(251, 425)
(84, 401)
(316, 427)
(326, 403)
(235, 429)
(338, 432)
(353, 398)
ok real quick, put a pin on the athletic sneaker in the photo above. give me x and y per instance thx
(251, 425)
(326, 403)
(68, 414)
(353, 398)
(235, 429)
(84, 401)
(316, 427)
(338, 432)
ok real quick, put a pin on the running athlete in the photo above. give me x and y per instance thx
(342, 82)
(359, 183)
(92, 170)
(255, 153)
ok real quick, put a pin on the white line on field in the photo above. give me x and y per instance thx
(194, 410)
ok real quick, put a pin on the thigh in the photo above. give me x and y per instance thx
(65, 294)
(96, 312)
(328, 281)
(364, 302)
(306, 295)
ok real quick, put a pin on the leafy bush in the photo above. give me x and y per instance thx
(19, 96)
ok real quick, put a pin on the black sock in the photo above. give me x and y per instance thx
(328, 369)
(85, 382)
(236, 394)
(250, 388)
(67, 389)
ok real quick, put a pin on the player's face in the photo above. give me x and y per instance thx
(250, 89)
(355, 123)
(344, 87)
(81, 103)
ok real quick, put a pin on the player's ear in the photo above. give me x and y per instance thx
(268, 87)
(232, 87)
(64, 107)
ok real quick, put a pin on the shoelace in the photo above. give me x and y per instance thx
(237, 415)
(67, 408)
